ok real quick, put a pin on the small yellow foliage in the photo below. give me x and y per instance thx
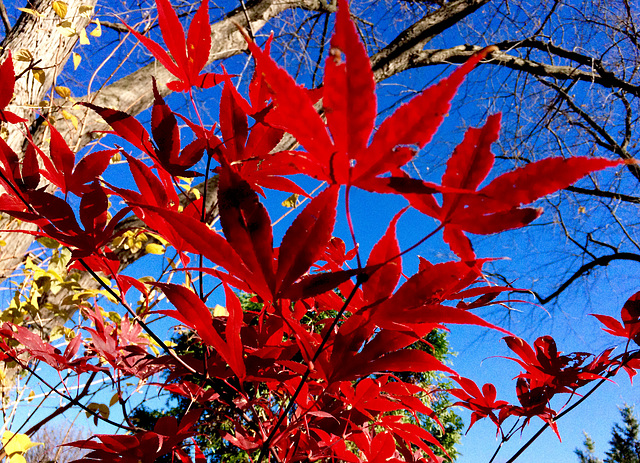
(70, 117)
(23, 55)
(219, 311)
(15, 445)
(76, 60)
(159, 238)
(31, 12)
(84, 40)
(47, 242)
(66, 29)
(60, 8)
(38, 74)
(154, 248)
(86, 11)
(101, 409)
(64, 92)
(97, 32)
(291, 201)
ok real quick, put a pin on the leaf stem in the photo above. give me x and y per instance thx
(65, 397)
(578, 402)
(265, 447)
(144, 326)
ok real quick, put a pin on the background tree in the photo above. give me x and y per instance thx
(624, 446)
(52, 438)
(588, 454)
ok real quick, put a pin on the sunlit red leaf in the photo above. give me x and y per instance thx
(306, 238)
(247, 227)
(413, 124)
(125, 126)
(7, 85)
(535, 180)
(195, 314)
(349, 96)
(381, 283)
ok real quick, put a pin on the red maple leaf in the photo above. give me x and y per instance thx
(630, 315)
(188, 55)
(7, 85)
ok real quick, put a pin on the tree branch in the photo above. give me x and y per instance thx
(394, 57)
(5, 18)
(604, 194)
(460, 53)
(601, 261)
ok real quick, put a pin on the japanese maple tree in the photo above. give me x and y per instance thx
(313, 372)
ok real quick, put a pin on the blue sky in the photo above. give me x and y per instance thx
(568, 322)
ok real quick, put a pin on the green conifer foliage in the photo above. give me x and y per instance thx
(624, 443)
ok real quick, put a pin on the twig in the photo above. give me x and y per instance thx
(265, 447)
(5, 18)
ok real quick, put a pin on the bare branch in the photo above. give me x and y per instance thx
(604, 194)
(394, 57)
(601, 261)
(5, 18)
(460, 53)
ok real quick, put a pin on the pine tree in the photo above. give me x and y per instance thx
(625, 446)
(588, 455)
(624, 443)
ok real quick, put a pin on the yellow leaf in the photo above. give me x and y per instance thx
(84, 40)
(291, 201)
(38, 74)
(70, 117)
(48, 242)
(86, 11)
(3, 243)
(114, 399)
(104, 411)
(17, 458)
(159, 238)
(219, 311)
(116, 158)
(64, 92)
(56, 333)
(97, 32)
(23, 55)
(69, 334)
(16, 443)
(76, 60)
(154, 248)
(66, 29)
(31, 12)
(60, 8)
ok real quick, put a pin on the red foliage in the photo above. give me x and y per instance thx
(327, 381)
